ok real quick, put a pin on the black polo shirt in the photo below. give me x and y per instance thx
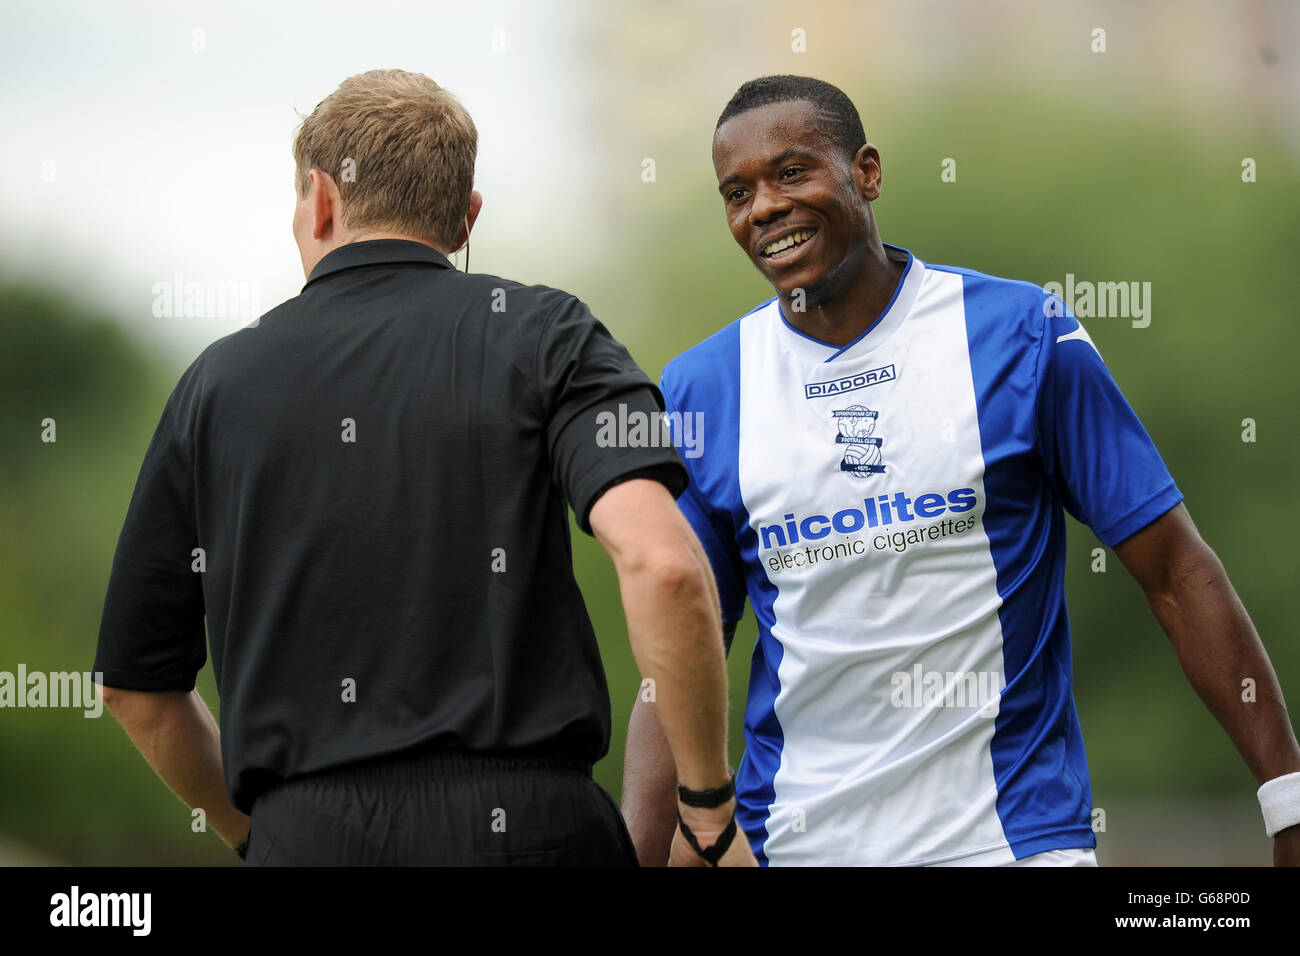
(366, 495)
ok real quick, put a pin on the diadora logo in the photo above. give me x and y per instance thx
(862, 456)
(850, 383)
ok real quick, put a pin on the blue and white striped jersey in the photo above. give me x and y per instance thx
(894, 511)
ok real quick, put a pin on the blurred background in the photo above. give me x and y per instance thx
(150, 147)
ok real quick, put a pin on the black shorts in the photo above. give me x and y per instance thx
(441, 809)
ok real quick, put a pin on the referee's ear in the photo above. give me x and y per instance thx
(475, 204)
(326, 205)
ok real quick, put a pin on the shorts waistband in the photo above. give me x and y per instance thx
(430, 763)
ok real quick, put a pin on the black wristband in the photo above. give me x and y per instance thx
(707, 798)
(714, 853)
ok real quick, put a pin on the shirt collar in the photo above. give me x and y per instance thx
(878, 332)
(377, 252)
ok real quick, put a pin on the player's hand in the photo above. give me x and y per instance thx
(707, 825)
(1286, 847)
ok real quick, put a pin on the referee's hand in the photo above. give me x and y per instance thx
(707, 825)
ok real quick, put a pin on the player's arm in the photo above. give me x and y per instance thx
(672, 619)
(176, 734)
(1190, 595)
(1113, 479)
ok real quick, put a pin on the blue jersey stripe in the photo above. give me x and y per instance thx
(707, 378)
(764, 738)
(1044, 796)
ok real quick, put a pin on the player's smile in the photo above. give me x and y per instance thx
(788, 246)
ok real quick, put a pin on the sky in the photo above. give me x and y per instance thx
(154, 139)
(147, 144)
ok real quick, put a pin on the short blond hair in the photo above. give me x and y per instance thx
(401, 150)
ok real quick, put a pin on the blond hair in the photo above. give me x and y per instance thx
(401, 150)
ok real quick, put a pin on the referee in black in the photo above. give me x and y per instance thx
(366, 493)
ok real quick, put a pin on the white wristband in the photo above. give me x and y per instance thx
(1279, 798)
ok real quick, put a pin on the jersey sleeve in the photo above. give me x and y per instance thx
(714, 529)
(603, 415)
(151, 634)
(1096, 451)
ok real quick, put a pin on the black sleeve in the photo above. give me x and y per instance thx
(603, 415)
(728, 635)
(151, 636)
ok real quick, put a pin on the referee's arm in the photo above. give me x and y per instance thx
(649, 790)
(178, 736)
(152, 641)
(673, 618)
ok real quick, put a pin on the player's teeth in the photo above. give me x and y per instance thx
(782, 244)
